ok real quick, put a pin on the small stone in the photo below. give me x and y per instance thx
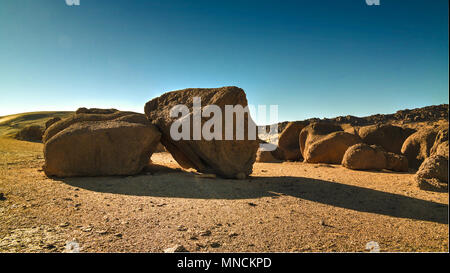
(2, 196)
(182, 228)
(232, 234)
(49, 246)
(102, 232)
(66, 224)
(251, 204)
(118, 235)
(86, 229)
(215, 244)
(205, 233)
(199, 246)
(176, 248)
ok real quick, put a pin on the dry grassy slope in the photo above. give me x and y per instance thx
(11, 124)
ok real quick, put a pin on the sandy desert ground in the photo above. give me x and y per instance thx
(283, 207)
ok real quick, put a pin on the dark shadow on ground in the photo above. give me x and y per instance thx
(181, 184)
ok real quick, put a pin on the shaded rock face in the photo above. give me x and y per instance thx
(315, 131)
(99, 144)
(288, 142)
(31, 133)
(440, 146)
(396, 162)
(433, 173)
(51, 121)
(418, 145)
(227, 158)
(389, 137)
(160, 148)
(330, 148)
(371, 157)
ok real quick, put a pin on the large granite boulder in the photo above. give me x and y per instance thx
(232, 158)
(433, 173)
(440, 146)
(313, 132)
(364, 157)
(418, 145)
(330, 148)
(387, 136)
(372, 157)
(120, 143)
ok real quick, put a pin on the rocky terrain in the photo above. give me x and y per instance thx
(408, 116)
(331, 185)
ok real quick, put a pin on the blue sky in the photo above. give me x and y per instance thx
(312, 58)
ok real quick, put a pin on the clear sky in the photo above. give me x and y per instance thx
(313, 58)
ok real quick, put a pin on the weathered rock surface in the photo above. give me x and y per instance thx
(389, 137)
(418, 145)
(31, 133)
(228, 158)
(330, 148)
(371, 157)
(99, 144)
(429, 113)
(288, 142)
(364, 157)
(315, 131)
(51, 121)
(440, 146)
(433, 173)
(396, 162)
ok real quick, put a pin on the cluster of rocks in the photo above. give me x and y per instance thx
(429, 114)
(371, 147)
(98, 142)
(110, 142)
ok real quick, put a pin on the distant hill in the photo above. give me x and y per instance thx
(11, 124)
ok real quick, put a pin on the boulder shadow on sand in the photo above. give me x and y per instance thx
(168, 182)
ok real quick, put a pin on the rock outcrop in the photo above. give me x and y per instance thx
(288, 142)
(228, 158)
(440, 146)
(364, 157)
(418, 145)
(51, 121)
(120, 143)
(371, 157)
(433, 173)
(389, 137)
(330, 148)
(30, 133)
(315, 131)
